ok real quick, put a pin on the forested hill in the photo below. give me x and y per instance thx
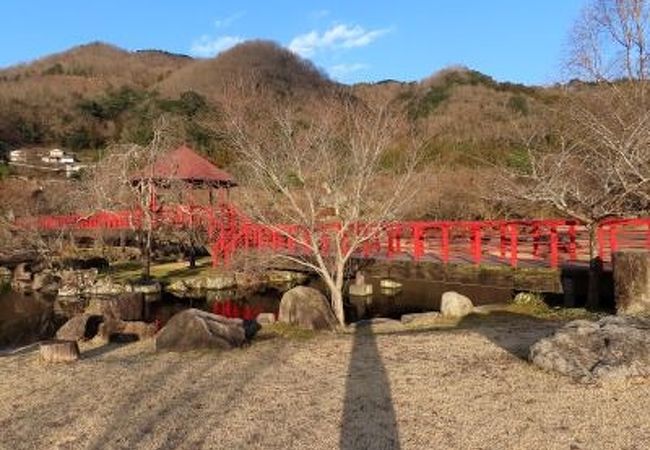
(95, 94)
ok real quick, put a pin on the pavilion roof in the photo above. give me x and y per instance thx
(186, 165)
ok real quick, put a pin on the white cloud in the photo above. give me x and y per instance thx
(208, 46)
(227, 21)
(342, 70)
(337, 37)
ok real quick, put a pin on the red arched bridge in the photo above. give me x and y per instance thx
(518, 243)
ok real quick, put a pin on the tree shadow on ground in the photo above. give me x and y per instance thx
(369, 420)
(513, 332)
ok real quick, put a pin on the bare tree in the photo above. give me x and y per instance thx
(328, 184)
(125, 180)
(594, 160)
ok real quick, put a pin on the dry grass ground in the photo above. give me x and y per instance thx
(464, 387)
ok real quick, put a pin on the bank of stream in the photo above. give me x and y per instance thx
(26, 318)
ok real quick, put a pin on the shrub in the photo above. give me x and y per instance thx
(530, 300)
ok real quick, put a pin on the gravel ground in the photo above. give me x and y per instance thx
(418, 389)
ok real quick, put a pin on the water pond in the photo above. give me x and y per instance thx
(29, 318)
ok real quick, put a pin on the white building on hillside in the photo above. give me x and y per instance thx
(17, 156)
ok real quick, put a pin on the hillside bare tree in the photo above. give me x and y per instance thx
(594, 160)
(124, 180)
(336, 179)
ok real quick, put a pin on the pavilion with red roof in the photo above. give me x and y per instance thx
(185, 165)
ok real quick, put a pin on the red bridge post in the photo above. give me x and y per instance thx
(514, 242)
(536, 236)
(554, 247)
(445, 243)
(476, 244)
(572, 242)
(418, 243)
(502, 240)
(613, 241)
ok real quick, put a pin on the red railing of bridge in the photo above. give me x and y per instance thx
(540, 242)
(516, 243)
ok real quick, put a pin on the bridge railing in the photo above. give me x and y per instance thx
(549, 243)
(543, 242)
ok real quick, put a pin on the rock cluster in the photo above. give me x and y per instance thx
(613, 347)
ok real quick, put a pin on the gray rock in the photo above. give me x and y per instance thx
(191, 288)
(387, 283)
(306, 307)
(76, 282)
(78, 328)
(128, 306)
(147, 289)
(265, 318)
(285, 276)
(21, 280)
(360, 290)
(221, 281)
(613, 347)
(454, 304)
(46, 283)
(195, 329)
(106, 286)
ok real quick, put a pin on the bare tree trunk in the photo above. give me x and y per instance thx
(336, 293)
(146, 253)
(337, 305)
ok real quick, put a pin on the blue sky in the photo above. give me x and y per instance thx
(511, 40)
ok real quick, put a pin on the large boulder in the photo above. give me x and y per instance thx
(454, 304)
(613, 347)
(129, 306)
(195, 329)
(306, 307)
(81, 327)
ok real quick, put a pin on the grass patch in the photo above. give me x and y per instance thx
(166, 273)
(555, 313)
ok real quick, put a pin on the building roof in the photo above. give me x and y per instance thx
(185, 164)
